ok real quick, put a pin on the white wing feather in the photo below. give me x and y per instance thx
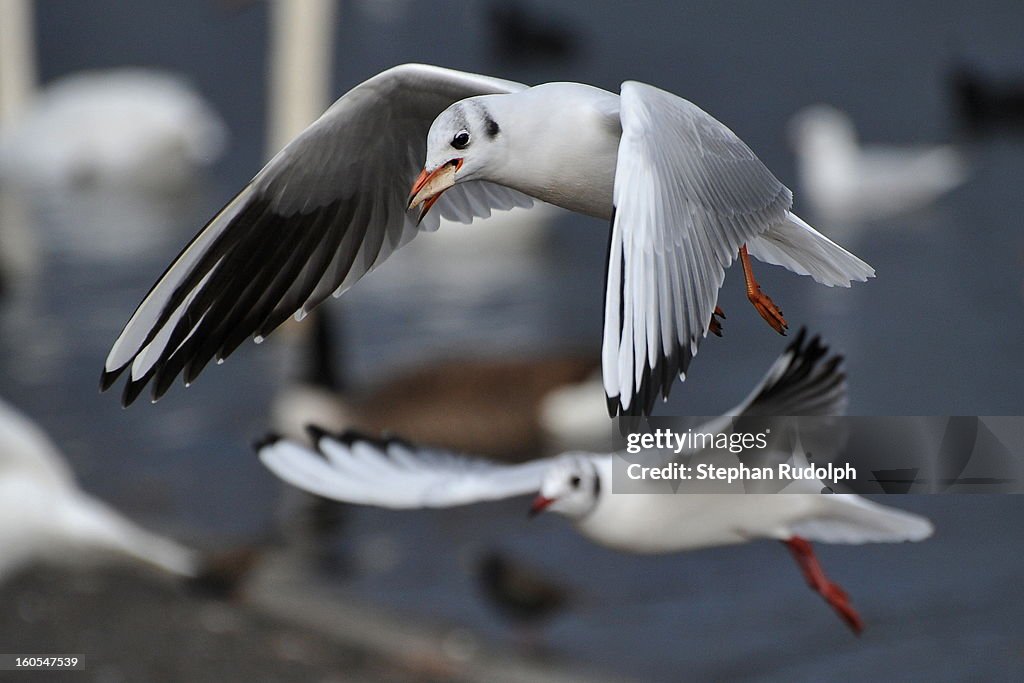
(688, 194)
(848, 518)
(394, 474)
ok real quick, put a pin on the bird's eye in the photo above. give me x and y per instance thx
(461, 140)
(575, 482)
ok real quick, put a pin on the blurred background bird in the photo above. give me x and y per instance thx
(846, 182)
(113, 128)
(525, 596)
(46, 518)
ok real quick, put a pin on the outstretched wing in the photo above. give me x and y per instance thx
(326, 210)
(804, 380)
(391, 473)
(688, 194)
(807, 381)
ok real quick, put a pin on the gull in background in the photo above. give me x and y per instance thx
(45, 517)
(684, 196)
(847, 182)
(127, 127)
(803, 381)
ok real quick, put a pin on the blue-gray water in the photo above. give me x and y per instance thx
(940, 331)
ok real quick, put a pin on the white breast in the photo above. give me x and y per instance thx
(665, 523)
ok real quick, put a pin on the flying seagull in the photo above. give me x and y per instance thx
(683, 194)
(803, 381)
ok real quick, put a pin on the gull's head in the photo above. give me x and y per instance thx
(571, 486)
(460, 143)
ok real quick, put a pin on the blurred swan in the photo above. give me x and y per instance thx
(845, 182)
(46, 518)
(123, 127)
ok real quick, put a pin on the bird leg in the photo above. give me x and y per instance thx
(816, 579)
(762, 302)
(715, 326)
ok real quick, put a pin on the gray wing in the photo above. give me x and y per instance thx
(326, 210)
(688, 194)
(391, 473)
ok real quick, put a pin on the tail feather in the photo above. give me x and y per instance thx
(796, 246)
(854, 520)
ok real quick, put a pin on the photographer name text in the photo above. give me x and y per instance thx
(705, 472)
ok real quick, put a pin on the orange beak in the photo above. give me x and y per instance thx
(430, 185)
(540, 503)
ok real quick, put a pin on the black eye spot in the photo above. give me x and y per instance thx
(575, 482)
(461, 140)
(492, 127)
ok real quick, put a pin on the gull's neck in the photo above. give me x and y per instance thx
(561, 143)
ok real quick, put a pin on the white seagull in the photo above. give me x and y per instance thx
(845, 181)
(45, 517)
(684, 196)
(396, 474)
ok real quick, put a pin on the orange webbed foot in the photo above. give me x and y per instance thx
(768, 310)
(762, 302)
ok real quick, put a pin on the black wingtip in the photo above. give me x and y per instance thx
(613, 405)
(657, 381)
(808, 378)
(161, 383)
(267, 440)
(107, 378)
(389, 439)
(638, 407)
(833, 365)
(796, 345)
(346, 437)
(352, 436)
(132, 389)
(316, 432)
